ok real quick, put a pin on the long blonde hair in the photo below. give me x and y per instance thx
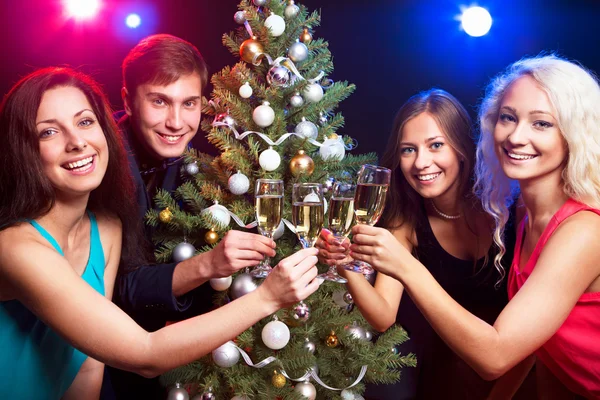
(574, 93)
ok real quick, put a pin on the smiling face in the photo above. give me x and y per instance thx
(528, 142)
(165, 118)
(73, 148)
(429, 164)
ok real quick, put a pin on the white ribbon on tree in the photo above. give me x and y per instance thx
(309, 374)
(253, 224)
(282, 138)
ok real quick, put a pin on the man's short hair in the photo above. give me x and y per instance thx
(161, 60)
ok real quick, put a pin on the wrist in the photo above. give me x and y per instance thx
(270, 304)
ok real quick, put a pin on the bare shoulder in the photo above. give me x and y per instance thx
(110, 226)
(584, 225)
(20, 245)
(18, 239)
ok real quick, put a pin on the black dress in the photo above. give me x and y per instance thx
(440, 373)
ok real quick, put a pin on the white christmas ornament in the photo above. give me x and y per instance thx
(178, 392)
(307, 129)
(350, 395)
(226, 356)
(279, 231)
(276, 24)
(263, 115)
(313, 93)
(314, 198)
(219, 213)
(238, 183)
(221, 284)
(269, 159)
(333, 149)
(245, 90)
(275, 335)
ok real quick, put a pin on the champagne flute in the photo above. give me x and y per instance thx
(369, 200)
(268, 205)
(341, 214)
(307, 212)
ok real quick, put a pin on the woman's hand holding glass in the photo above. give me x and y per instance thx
(369, 200)
(341, 215)
(268, 205)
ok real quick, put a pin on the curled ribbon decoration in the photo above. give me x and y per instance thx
(282, 138)
(309, 374)
(312, 374)
(251, 225)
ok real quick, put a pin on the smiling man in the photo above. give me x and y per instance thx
(163, 78)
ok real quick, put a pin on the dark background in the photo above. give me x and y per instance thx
(389, 49)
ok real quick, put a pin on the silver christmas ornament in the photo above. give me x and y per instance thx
(368, 335)
(208, 395)
(192, 168)
(357, 332)
(226, 356)
(298, 52)
(178, 393)
(241, 285)
(301, 312)
(239, 17)
(259, 3)
(296, 100)
(313, 93)
(322, 119)
(238, 183)
(348, 298)
(291, 10)
(332, 149)
(307, 129)
(279, 76)
(306, 389)
(183, 251)
(309, 346)
(338, 298)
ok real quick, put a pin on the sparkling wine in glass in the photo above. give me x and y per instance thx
(307, 212)
(268, 204)
(341, 215)
(369, 200)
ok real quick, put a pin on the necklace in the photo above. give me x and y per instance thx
(441, 214)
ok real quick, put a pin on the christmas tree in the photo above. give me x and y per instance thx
(271, 116)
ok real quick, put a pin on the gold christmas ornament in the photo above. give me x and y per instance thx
(332, 340)
(211, 237)
(302, 164)
(252, 51)
(165, 215)
(305, 36)
(278, 380)
(333, 136)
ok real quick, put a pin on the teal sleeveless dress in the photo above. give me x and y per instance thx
(35, 362)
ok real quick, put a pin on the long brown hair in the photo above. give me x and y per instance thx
(25, 190)
(403, 203)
